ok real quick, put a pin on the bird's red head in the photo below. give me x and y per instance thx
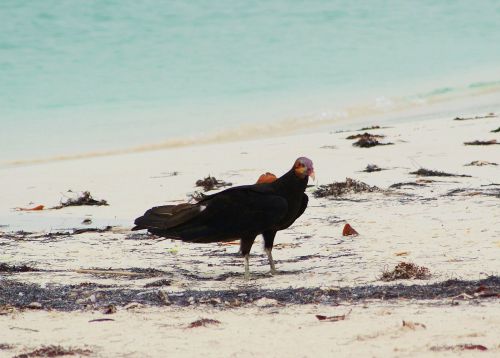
(303, 167)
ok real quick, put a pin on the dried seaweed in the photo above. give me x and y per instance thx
(159, 283)
(482, 142)
(341, 188)
(368, 142)
(489, 115)
(480, 163)
(365, 135)
(13, 268)
(211, 183)
(399, 185)
(368, 128)
(436, 173)
(203, 323)
(405, 271)
(54, 351)
(66, 297)
(92, 229)
(85, 199)
(496, 130)
(459, 347)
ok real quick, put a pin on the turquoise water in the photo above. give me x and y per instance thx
(79, 76)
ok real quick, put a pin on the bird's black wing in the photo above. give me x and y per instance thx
(230, 214)
(291, 220)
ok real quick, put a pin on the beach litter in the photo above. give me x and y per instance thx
(211, 183)
(406, 271)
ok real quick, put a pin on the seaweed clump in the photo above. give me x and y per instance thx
(211, 183)
(54, 351)
(341, 188)
(482, 142)
(367, 140)
(85, 199)
(406, 271)
(13, 268)
(436, 173)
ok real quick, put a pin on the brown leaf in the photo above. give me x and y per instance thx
(36, 208)
(349, 231)
(332, 318)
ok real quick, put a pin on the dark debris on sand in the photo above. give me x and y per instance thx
(85, 199)
(348, 186)
(66, 298)
(482, 142)
(436, 173)
(370, 168)
(494, 192)
(54, 351)
(211, 183)
(406, 271)
(496, 130)
(365, 135)
(369, 128)
(489, 115)
(400, 185)
(13, 268)
(203, 322)
(479, 163)
(367, 140)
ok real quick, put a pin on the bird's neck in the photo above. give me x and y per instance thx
(290, 183)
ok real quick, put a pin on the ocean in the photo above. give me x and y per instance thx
(82, 77)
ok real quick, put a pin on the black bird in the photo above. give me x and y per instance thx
(241, 212)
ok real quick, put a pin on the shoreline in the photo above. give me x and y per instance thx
(391, 110)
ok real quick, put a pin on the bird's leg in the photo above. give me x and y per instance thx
(268, 247)
(271, 261)
(245, 247)
(247, 267)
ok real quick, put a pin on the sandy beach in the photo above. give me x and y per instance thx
(103, 291)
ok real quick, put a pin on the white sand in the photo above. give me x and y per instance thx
(454, 236)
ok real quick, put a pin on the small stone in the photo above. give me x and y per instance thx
(133, 305)
(265, 302)
(35, 305)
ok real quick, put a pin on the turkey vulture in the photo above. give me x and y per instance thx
(241, 212)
